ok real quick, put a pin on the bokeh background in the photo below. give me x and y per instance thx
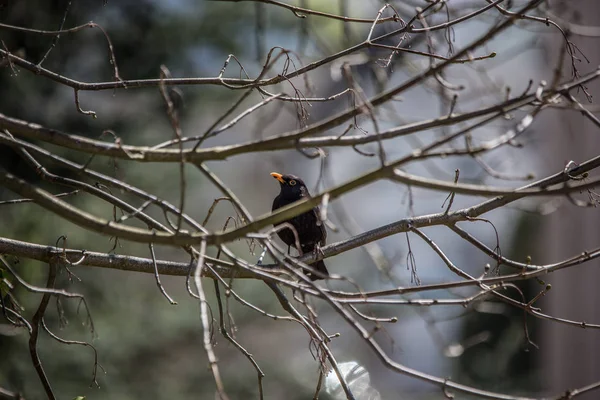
(153, 350)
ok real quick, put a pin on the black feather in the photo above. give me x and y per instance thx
(309, 227)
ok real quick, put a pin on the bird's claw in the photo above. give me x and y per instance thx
(317, 250)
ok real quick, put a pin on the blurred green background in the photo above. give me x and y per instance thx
(148, 348)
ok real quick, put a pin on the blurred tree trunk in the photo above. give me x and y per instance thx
(569, 355)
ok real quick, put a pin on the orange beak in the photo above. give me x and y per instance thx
(277, 176)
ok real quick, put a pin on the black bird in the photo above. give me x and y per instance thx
(311, 230)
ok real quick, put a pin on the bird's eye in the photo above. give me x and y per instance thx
(292, 182)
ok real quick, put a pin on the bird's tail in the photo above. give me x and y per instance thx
(319, 266)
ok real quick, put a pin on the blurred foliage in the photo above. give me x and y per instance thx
(497, 354)
(148, 348)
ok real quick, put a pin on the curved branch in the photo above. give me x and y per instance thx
(36, 322)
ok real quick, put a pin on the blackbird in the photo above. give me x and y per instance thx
(310, 228)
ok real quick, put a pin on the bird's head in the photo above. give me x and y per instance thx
(292, 187)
